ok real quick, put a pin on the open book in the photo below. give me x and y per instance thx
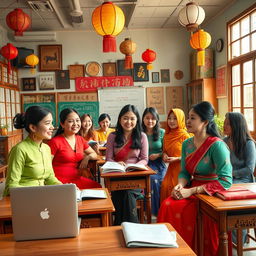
(90, 194)
(148, 235)
(116, 167)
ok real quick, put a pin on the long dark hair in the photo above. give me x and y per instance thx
(33, 115)
(136, 133)
(206, 112)
(63, 116)
(90, 131)
(102, 117)
(156, 128)
(240, 133)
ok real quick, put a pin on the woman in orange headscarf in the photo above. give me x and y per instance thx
(175, 134)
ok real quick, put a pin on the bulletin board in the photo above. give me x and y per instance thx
(155, 98)
(174, 98)
(111, 100)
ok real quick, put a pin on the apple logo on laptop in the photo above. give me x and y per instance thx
(44, 214)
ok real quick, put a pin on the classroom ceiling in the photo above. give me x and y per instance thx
(56, 15)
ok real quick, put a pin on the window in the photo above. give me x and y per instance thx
(242, 65)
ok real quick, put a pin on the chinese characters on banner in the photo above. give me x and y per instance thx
(92, 83)
(75, 97)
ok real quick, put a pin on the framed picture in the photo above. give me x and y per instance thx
(221, 83)
(50, 57)
(29, 84)
(165, 75)
(76, 71)
(121, 71)
(155, 77)
(62, 79)
(46, 82)
(140, 72)
(109, 69)
(92, 68)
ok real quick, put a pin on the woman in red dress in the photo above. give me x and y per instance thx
(71, 152)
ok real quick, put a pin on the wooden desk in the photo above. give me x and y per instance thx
(102, 207)
(235, 214)
(91, 241)
(131, 180)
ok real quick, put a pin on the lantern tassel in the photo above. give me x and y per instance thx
(149, 66)
(109, 43)
(33, 70)
(201, 57)
(128, 63)
(9, 67)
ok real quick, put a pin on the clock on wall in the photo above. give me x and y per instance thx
(219, 45)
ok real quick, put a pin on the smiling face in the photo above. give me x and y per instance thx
(227, 127)
(172, 121)
(128, 121)
(86, 123)
(72, 124)
(44, 129)
(104, 124)
(194, 123)
(149, 121)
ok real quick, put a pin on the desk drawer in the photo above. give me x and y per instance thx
(127, 184)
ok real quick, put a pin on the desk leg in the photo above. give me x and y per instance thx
(223, 235)
(105, 219)
(2, 231)
(148, 199)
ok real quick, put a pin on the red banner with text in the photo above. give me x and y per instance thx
(85, 84)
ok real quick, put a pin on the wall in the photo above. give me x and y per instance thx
(218, 29)
(171, 46)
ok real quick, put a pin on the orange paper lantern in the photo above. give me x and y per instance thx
(200, 40)
(18, 21)
(32, 60)
(108, 21)
(149, 56)
(128, 47)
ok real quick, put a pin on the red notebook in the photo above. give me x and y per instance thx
(236, 193)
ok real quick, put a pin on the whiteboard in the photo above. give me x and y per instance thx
(112, 100)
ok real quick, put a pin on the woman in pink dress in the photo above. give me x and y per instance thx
(71, 152)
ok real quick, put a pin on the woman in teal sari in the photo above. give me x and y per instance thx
(205, 168)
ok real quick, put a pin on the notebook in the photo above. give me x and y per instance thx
(44, 212)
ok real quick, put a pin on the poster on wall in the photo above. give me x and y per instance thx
(221, 86)
(155, 98)
(174, 97)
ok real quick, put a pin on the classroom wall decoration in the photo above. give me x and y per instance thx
(74, 96)
(221, 89)
(165, 75)
(155, 77)
(46, 82)
(155, 98)
(50, 57)
(29, 84)
(109, 69)
(140, 72)
(121, 69)
(174, 97)
(62, 79)
(84, 84)
(76, 71)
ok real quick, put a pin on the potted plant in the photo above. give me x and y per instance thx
(4, 129)
(220, 123)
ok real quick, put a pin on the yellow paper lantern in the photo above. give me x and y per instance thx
(200, 40)
(32, 60)
(108, 21)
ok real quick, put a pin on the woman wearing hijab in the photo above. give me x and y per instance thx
(175, 134)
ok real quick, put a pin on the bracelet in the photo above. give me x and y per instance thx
(198, 190)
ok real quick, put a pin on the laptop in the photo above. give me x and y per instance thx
(43, 212)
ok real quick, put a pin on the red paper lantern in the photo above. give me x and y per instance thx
(9, 52)
(149, 56)
(18, 21)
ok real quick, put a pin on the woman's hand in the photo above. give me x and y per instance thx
(96, 148)
(170, 159)
(122, 163)
(186, 192)
(176, 191)
(153, 157)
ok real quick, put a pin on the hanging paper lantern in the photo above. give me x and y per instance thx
(32, 60)
(128, 47)
(149, 56)
(200, 40)
(9, 52)
(108, 21)
(191, 16)
(18, 21)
